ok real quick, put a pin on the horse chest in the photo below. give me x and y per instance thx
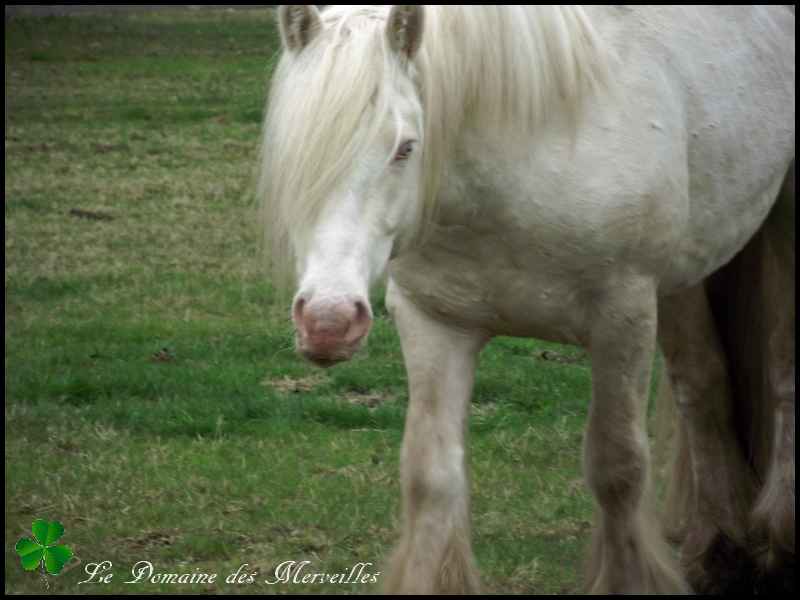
(479, 282)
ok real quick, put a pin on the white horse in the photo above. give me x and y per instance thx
(561, 173)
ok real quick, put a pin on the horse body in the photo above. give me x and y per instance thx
(580, 192)
(532, 228)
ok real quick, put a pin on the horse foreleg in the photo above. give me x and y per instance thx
(434, 554)
(628, 553)
(721, 481)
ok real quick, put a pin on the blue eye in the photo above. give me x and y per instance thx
(404, 151)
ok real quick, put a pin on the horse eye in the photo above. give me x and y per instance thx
(404, 150)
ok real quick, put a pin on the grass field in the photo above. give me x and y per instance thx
(154, 404)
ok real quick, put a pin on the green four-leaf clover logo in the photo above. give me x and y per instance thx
(43, 548)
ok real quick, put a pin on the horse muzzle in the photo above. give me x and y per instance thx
(330, 331)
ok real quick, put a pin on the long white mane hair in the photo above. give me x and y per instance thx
(501, 66)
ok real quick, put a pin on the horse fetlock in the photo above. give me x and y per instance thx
(434, 567)
(717, 564)
(630, 557)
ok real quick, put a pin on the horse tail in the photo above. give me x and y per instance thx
(752, 300)
(772, 438)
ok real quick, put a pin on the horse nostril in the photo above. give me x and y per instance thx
(297, 311)
(361, 322)
(362, 312)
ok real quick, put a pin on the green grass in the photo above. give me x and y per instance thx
(154, 403)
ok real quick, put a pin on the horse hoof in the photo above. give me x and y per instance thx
(778, 578)
(723, 568)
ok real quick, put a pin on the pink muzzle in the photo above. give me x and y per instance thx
(330, 331)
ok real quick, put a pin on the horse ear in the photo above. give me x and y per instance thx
(299, 24)
(404, 29)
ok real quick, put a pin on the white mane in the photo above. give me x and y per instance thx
(498, 66)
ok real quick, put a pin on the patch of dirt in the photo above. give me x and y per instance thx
(551, 356)
(165, 355)
(292, 385)
(106, 148)
(150, 539)
(90, 214)
(368, 399)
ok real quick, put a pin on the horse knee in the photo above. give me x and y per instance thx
(439, 482)
(616, 472)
